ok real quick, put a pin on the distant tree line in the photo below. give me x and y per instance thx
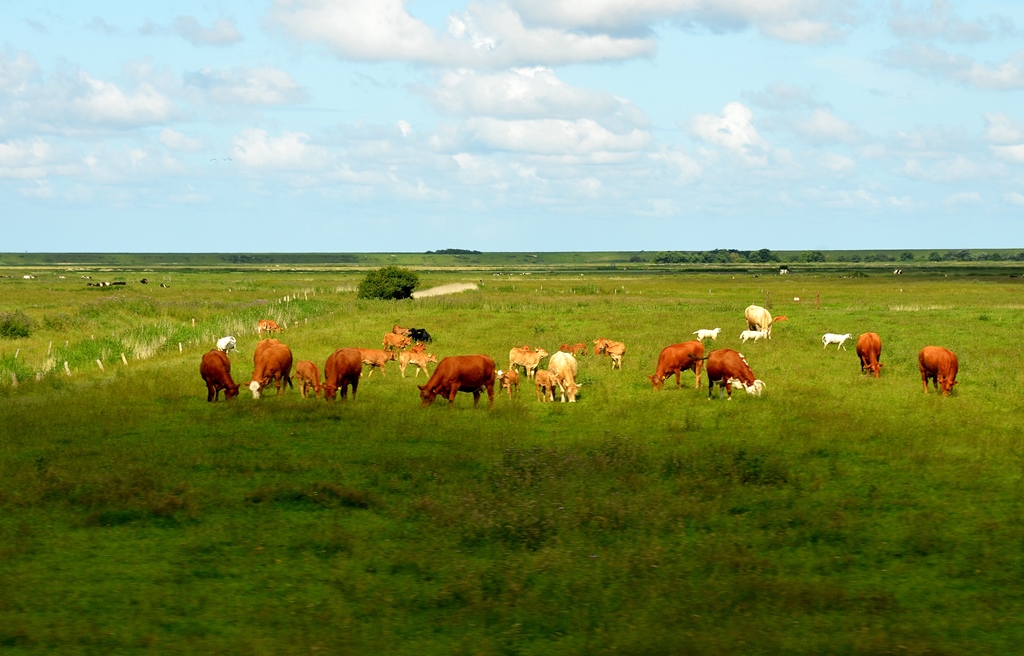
(765, 256)
(453, 251)
(717, 256)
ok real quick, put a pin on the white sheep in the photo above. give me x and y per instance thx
(704, 333)
(753, 334)
(833, 338)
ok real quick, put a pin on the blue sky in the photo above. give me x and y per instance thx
(511, 125)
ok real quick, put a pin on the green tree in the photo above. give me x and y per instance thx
(906, 256)
(814, 256)
(388, 283)
(764, 255)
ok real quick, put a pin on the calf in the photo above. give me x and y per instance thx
(730, 369)
(834, 338)
(460, 373)
(705, 333)
(227, 343)
(753, 334)
(605, 346)
(869, 349)
(544, 384)
(215, 370)
(577, 350)
(376, 358)
(508, 380)
(420, 335)
(676, 359)
(343, 368)
(525, 358)
(398, 330)
(266, 325)
(308, 376)
(393, 341)
(418, 358)
(941, 366)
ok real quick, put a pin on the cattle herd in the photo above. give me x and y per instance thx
(475, 374)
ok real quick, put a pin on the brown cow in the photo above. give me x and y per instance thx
(398, 330)
(508, 380)
(273, 360)
(577, 350)
(730, 369)
(418, 358)
(525, 358)
(460, 373)
(869, 349)
(343, 368)
(676, 359)
(393, 341)
(216, 372)
(545, 384)
(376, 359)
(266, 325)
(939, 364)
(308, 376)
(616, 350)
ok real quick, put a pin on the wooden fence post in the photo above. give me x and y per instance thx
(124, 359)
(99, 363)
(67, 369)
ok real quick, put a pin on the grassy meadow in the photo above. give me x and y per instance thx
(836, 514)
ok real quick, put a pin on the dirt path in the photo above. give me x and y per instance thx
(453, 288)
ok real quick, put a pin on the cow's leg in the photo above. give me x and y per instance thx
(490, 396)
(451, 394)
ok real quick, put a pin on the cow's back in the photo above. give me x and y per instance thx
(563, 365)
(215, 366)
(468, 371)
(723, 363)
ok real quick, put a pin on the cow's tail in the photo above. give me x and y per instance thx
(693, 357)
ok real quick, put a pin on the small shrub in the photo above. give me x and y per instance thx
(388, 283)
(15, 324)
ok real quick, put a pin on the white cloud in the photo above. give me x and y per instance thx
(264, 85)
(1014, 154)
(485, 35)
(290, 151)
(836, 163)
(822, 126)
(404, 127)
(963, 198)
(1001, 129)
(944, 171)
(1015, 197)
(177, 141)
(556, 137)
(937, 21)
(733, 130)
(1005, 76)
(104, 103)
(781, 96)
(222, 33)
(685, 169)
(16, 70)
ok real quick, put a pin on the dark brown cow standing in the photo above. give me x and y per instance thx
(460, 373)
(343, 368)
(725, 365)
(939, 364)
(869, 349)
(676, 359)
(216, 372)
(273, 361)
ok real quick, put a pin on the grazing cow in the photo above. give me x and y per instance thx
(393, 341)
(676, 359)
(869, 349)
(578, 349)
(266, 325)
(508, 380)
(460, 373)
(273, 361)
(563, 367)
(616, 350)
(704, 333)
(758, 318)
(308, 376)
(729, 368)
(216, 372)
(939, 364)
(834, 338)
(398, 330)
(420, 335)
(752, 334)
(544, 385)
(418, 358)
(525, 358)
(779, 318)
(376, 359)
(227, 344)
(343, 368)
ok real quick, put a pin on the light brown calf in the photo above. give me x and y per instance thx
(376, 359)
(418, 358)
(308, 376)
(545, 383)
(508, 380)
(393, 341)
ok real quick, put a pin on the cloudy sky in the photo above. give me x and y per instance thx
(553, 125)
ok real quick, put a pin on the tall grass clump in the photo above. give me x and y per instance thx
(15, 325)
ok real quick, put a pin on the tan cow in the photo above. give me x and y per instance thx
(398, 330)
(267, 325)
(418, 358)
(579, 349)
(545, 384)
(605, 346)
(563, 367)
(758, 318)
(308, 376)
(393, 341)
(508, 380)
(525, 358)
(376, 358)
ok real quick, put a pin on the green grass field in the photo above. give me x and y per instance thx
(836, 514)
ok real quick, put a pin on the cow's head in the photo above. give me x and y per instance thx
(255, 387)
(541, 352)
(570, 391)
(231, 391)
(431, 357)
(330, 391)
(755, 388)
(657, 381)
(426, 395)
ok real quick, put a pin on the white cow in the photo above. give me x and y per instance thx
(758, 318)
(753, 334)
(833, 338)
(704, 333)
(562, 366)
(226, 343)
